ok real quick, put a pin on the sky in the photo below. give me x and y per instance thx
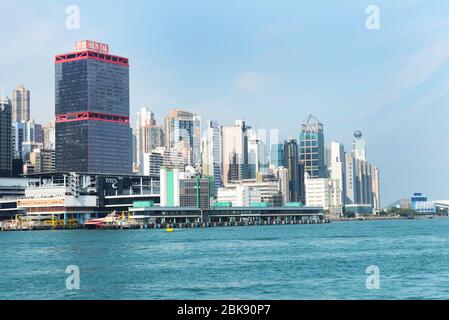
(269, 62)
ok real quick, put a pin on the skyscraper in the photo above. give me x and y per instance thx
(337, 167)
(291, 162)
(235, 152)
(5, 137)
(359, 184)
(183, 131)
(20, 104)
(25, 132)
(376, 188)
(277, 155)
(211, 153)
(49, 136)
(359, 146)
(149, 136)
(312, 148)
(92, 111)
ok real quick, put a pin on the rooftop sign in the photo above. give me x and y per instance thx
(91, 45)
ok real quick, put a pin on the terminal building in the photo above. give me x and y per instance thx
(65, 196)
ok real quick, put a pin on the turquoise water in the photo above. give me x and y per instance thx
(272, 262)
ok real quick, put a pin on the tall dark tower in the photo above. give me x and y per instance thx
(92, 111)
(291, 162)
(5, 137)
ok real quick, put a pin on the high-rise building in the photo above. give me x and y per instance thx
(277, 155)
(25, 132)
(359, 184)
(337, 167)
(149, 136)
(282, 175)
(5, 137)
(324, 193)
(21, 104)
(312, 148)
(255, 150)
(235, 152)
(182, 130)
(376, 188)
(40, 161)
(92, 111)
(359, 146)
(152, 162)
(49, 136)
(291, 162)
(211, 153)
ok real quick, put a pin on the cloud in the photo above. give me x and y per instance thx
(251, 82)
(408, 73)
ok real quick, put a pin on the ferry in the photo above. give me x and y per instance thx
(110, 221)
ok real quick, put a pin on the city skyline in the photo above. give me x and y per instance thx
(249, 86)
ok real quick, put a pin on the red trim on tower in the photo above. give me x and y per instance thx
(91, 116)
(83, 55)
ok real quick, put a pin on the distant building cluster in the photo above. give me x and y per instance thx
(198, 164)
(26, 147)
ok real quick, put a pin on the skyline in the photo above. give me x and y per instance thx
(238, 89)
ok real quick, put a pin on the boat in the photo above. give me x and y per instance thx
(112, 220)
(170, 230)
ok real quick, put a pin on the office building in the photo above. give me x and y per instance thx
(185, 189)
(376, 188)
(211, 153)
(311, 147)
(24, 134)
(359, 146)
(277, 155)
(20, 104)
(152, 163)
(40, 161)
(92, 111)
(239, 195)
(235, 152)
(337, 167)
(182, 131)
(149, 136)
(296, 178)
(5, 137)
(359, 193)
(49, 136)
(421, 205)
(324, 193)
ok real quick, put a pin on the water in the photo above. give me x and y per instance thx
(272, 262)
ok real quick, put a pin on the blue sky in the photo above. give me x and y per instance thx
(271, 62)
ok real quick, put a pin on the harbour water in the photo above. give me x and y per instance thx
(326, 261)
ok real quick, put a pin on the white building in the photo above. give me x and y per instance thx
(235, 152)
(211, 153)
(323, 192)
(376, 188)
(148, 136)
(152, 162)
(21, 104)
(49, 136)
(337, 166)
(282, 175)
(239, 195)
(183, 131)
